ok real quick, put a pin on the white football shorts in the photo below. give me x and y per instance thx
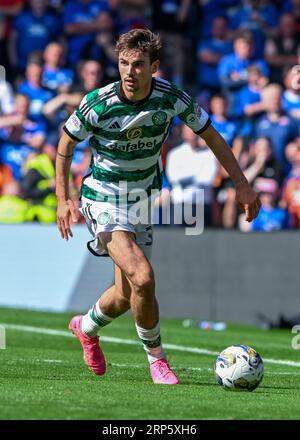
(109, 217)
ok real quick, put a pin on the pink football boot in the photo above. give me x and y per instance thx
(92, 353)
(162, 373)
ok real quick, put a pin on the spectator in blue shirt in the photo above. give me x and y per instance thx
(33, 88)
(250, 100)
(270, 217)
(55, 77)
(211, 9)
(250, 95)
(219, 116)
(210, 52)
(275, 124)
(33, 29)
(291, 95)
(260, 18)
(233, 69)
(80, 25)
(20, 136)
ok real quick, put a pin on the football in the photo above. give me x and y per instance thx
(240, 368)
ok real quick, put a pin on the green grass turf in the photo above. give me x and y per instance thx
(44, 376)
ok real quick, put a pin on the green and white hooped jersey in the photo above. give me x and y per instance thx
(127, 137)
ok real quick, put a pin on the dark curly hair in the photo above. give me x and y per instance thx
(141, 40)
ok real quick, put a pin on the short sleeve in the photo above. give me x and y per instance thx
(80, 124)
(192, 114)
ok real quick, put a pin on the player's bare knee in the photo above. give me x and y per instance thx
(144, 282)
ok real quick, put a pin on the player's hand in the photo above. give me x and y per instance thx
(65, 211)
(248, 201)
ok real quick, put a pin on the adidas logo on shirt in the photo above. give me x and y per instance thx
(115, 125)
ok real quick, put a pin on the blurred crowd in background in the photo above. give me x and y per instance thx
(240, 60)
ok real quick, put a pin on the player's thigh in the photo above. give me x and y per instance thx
(125, 252)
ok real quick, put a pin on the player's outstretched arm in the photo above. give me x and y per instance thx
(65, 206)
(246, 198)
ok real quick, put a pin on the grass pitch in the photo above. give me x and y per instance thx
(43, 375)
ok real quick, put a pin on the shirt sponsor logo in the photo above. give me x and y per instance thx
(133, 146)
(134, 133)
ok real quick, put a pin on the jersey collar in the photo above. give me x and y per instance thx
(127, 101)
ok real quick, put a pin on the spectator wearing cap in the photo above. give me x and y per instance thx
(275, 124)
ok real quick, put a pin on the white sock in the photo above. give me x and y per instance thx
(151, 342)
(94, 320)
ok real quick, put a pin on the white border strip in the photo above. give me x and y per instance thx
(48, 331)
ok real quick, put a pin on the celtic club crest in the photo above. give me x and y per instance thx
(103, 218)
(159, 118)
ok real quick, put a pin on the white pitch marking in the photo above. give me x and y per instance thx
(47, 331)
(206, 370)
